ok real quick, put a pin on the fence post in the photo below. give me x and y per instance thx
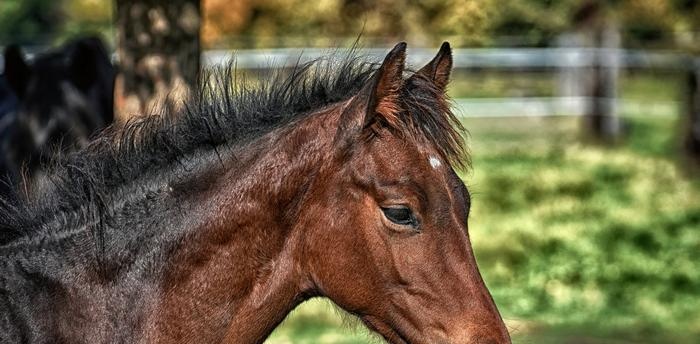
(571, 75)
(692, 107)
(601, 117)
(602, 34)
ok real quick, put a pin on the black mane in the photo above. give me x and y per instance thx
(223, 112)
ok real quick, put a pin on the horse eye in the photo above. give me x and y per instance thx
(400, 215)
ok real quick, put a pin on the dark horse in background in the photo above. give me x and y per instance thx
(333, 179)
(8, 106)
(55, 104)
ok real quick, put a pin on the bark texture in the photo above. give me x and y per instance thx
(598, 30)
(158, 50)
(692, 101)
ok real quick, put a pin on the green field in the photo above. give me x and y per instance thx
(578, 243)
(585, 239)
(649, 85)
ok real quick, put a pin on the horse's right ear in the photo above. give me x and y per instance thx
(439, 68)
(17, 72)
(377, 101)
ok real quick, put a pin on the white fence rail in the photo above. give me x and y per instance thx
(554, 106)
(517, 58)
(570, 62)
(463, 58)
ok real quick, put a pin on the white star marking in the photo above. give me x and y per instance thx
(434, 162)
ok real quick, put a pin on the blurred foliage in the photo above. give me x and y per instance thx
(29, 21)
(641, 87)
(275, 23)
(263, 23)
(43, 22)
(585, 234)
(649, 20)
(88, 16)
(279, 22)
(532, 22)
(660, 21)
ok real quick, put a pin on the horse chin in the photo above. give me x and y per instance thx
(389, 333)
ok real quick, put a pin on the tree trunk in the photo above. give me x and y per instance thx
(692, 101)
(601, 33)
(158, 52)
(601, 117)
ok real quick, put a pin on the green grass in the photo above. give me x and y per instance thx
(577, 243)
(588, 239)
(319, 322)
(469, 84)
(647, 86)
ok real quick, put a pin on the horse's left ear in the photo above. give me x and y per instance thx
(83, 64)
(384, 89)
(439, 68)
(17, 72)
(378, 98)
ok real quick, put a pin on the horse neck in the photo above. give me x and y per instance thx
(241, 258)
(217, 261)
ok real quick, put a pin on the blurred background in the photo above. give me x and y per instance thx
(583, 119)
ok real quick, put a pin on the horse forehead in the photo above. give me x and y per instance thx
(434, 161)
(413, 162)
(430, 158)
(417, 149)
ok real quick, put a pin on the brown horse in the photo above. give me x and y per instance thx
(334, 180)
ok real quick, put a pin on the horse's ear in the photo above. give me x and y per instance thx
(439, 68)
(377, 101)
(384, 89)
(17, 72)
(83, 64)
